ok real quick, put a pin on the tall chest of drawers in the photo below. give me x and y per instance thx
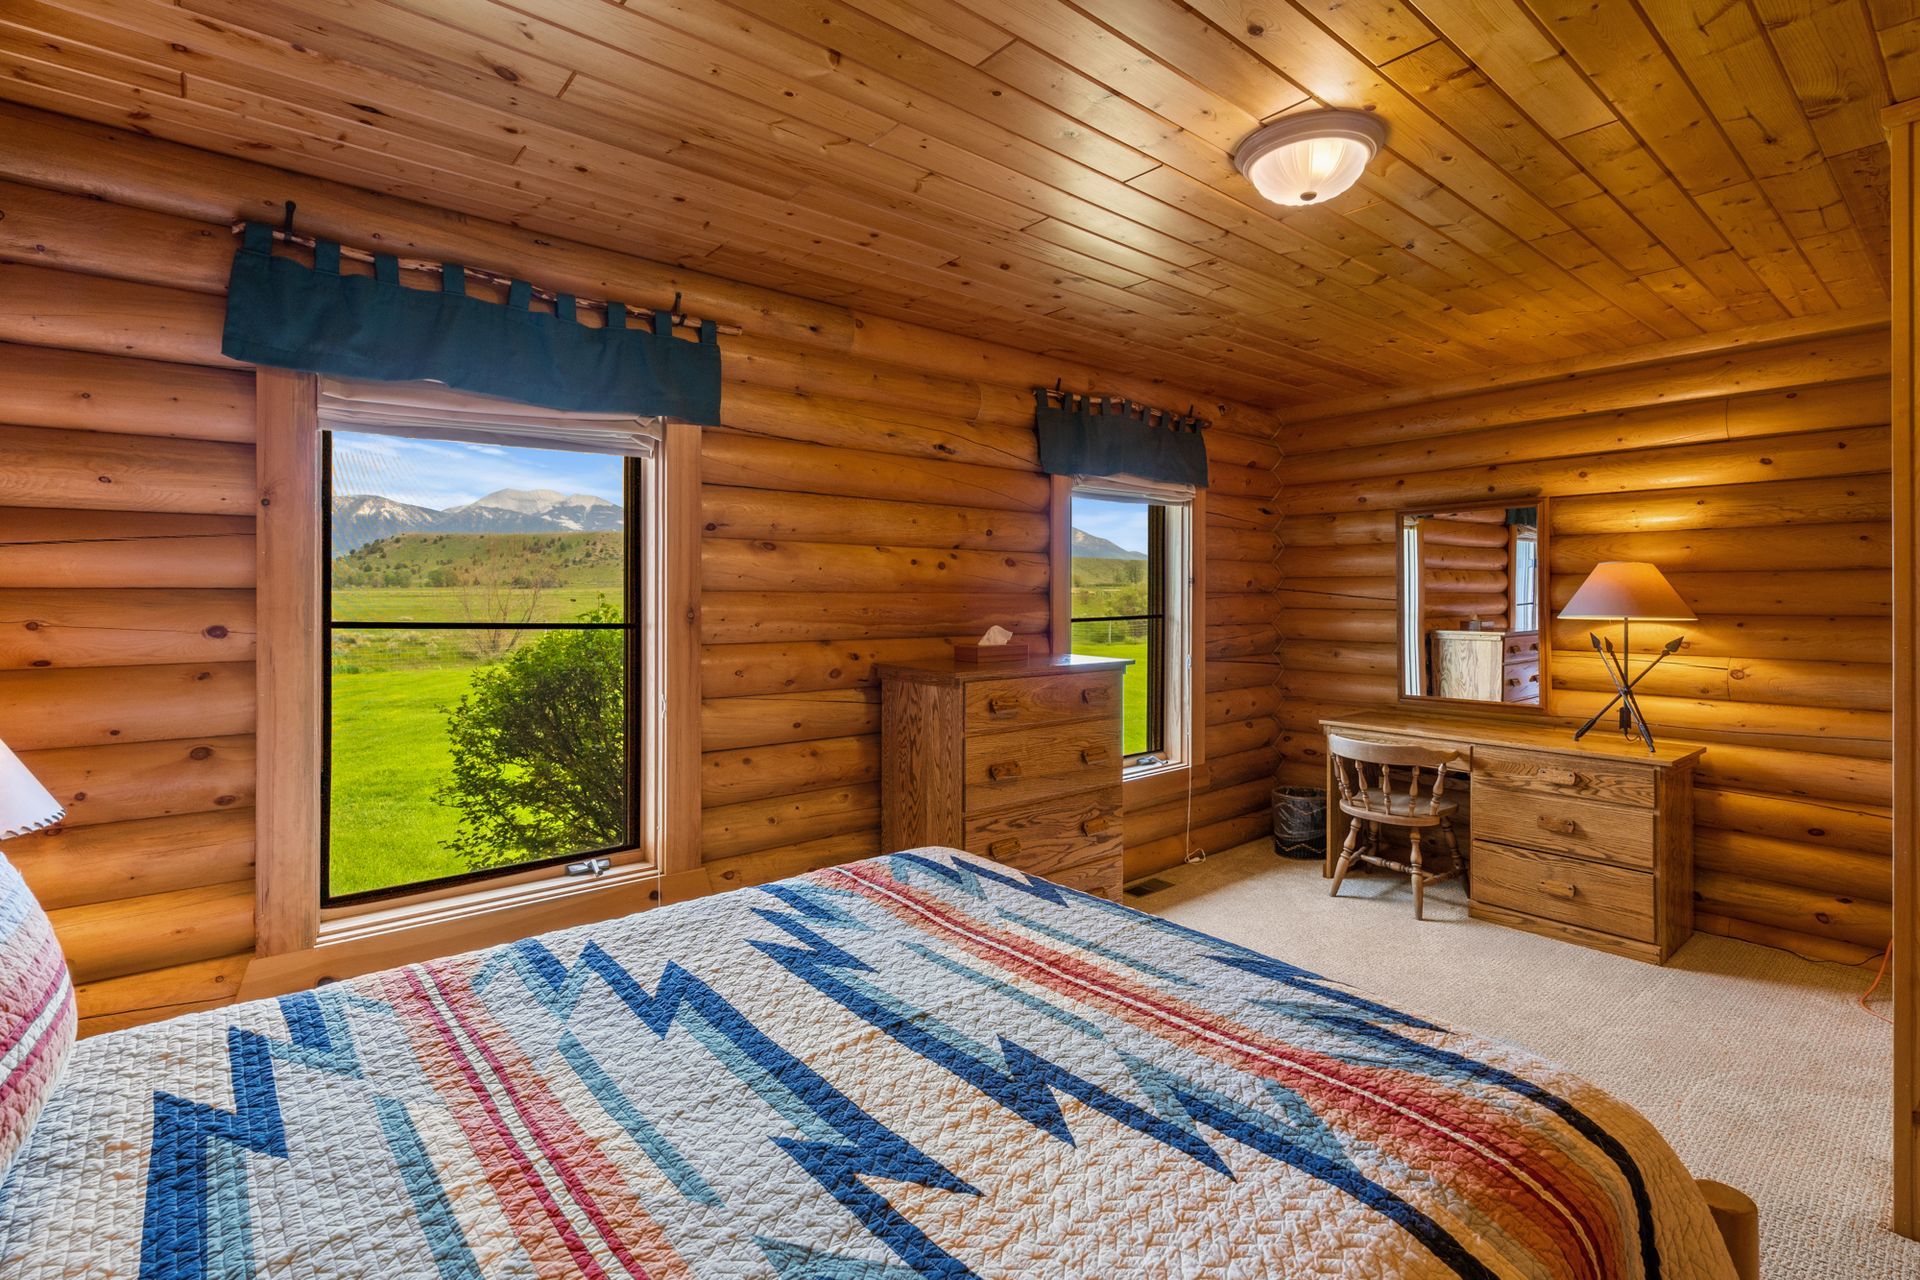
(1589, 841)
(1016, 761)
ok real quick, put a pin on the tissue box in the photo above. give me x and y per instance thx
(1014, 650)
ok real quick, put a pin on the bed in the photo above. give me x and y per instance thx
(919, 1065)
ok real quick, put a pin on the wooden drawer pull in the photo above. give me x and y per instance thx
(1095, 695)
(1095, 825)
(1095, 755)
(1560, 889)
(1560, 777)
(1004, 771)
(1003, 707)
(1565, 826)
(1003, 848)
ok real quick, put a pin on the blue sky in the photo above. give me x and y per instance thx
(1124, 523)
(444, 473)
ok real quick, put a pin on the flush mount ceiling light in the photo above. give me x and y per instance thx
(1309, 159)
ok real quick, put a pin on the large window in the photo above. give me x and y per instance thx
(482, 606)
(1132, 582)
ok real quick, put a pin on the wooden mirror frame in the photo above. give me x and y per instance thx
(1543, 579)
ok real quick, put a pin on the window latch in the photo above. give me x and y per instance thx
(595, 867)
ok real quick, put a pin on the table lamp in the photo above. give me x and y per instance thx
(1627, 591)
(25, 805)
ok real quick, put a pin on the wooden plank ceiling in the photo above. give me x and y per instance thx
(1562, 176)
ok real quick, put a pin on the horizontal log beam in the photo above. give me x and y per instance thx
(135, 935)
(754, 617)
(807, 517)
(133, 780)
(728, 564)
(50, 547)
(85, 391)
(85, 706)
(73, 866)
(43, 467)
(42, 627)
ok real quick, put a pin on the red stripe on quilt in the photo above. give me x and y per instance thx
(1393, 1108)
(499, 1151)
(570, 1150)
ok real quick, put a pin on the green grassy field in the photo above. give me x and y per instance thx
(389, 753)
(392, 688)
(1133, 682)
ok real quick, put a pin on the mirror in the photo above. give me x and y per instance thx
(1472, 582)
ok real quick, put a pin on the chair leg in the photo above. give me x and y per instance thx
(1347, 851)
(1419, 877)
(1459, 854)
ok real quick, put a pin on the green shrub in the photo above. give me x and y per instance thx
(539, 751)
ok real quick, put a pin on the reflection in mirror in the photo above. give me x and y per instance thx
(1470, 604)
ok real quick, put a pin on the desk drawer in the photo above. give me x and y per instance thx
(1045, 837)
(1024, 765)
(995, 705)
(1565, 776)
(1570, 890)
(1563, 824)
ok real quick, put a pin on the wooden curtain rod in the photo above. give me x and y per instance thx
(1132, 407)
(680, 319)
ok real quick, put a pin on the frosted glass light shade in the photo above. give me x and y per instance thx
(1310, 159)
(25, 805)
(1630, 589)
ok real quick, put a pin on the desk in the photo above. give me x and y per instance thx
(1589, 841)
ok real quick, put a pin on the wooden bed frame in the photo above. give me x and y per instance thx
(1738, 1218)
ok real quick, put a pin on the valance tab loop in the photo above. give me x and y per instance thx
(287, 315)
(1112, 436)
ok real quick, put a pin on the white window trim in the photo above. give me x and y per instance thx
(307, 943)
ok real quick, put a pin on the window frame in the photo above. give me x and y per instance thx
(1181, 702)
(636, 493)
(296, 943)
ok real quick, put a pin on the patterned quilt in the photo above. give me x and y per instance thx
(919, 1065)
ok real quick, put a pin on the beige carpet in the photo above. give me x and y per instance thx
(1756, 1064)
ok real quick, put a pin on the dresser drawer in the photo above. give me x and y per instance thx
(1520, 681)
(1522, 646)
(1104, 878)
(1563, 824)
(1024, 765)
(1571, 891)
(1045, 837)
(1578, 777)
(996, 705)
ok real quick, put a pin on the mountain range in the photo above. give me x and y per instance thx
(1091, 546)
(360, 518)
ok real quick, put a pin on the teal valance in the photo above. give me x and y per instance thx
(283, 313)
(1109, 436)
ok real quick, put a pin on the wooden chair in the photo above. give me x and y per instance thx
(1384, 800)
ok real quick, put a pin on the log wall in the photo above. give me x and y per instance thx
(1758, 480)
(873, 495)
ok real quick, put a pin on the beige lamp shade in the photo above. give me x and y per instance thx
(1630, 589)
(25, 805)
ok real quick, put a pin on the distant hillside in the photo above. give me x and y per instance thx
(466, 559)
(1094, 547)
(361, 518)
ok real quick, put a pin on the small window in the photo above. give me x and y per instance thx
(482, 683)
(1132, 575)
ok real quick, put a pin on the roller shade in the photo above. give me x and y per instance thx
(287, 315)
(430, 412)
(1102, 436)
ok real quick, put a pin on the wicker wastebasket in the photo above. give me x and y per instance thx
(1300, 822)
